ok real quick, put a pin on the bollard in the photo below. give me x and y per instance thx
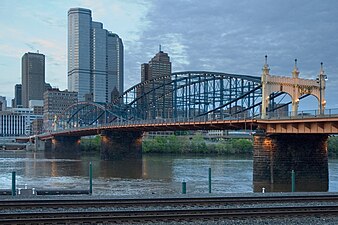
(184, 187)
(90, 178)
(293, 181)
(13, 184)
(209, 180)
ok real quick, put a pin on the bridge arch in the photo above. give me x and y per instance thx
(83, 114)
(297, 87)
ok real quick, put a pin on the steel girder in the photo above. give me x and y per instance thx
(84, 114)
(183, 95)
(193, 94)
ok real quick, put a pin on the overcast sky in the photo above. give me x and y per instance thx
(214, 35)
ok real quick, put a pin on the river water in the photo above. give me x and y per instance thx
(153, 174)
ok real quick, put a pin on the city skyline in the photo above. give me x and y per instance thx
(219, 36)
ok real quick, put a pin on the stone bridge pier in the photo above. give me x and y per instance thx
(63, 143)
(121, 145)
(276, 155)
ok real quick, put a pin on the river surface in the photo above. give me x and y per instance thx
(153, 174)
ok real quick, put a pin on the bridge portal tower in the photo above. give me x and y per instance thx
(294, 86)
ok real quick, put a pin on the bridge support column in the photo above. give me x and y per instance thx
(63, 143)
(39, 145)
(275, 156)
(121, 145)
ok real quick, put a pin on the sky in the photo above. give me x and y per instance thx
(215, 35)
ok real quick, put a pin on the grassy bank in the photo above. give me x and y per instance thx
(195, 145)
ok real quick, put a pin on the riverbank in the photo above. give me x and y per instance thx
(196, 145)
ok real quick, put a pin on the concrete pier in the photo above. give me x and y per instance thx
(63, 143)
(275, 156)
(121, 145)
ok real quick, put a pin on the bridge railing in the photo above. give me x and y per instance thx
(204, 118)
(303, 114)
(270, 116)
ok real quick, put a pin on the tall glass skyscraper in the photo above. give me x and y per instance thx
(95, 58)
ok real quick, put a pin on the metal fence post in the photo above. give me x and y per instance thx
(293, 181)
(184, 187)
(209, 180)
(13, 183)
(90, 178)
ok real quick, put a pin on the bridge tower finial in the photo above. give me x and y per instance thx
(295, 72)
(321, 69)
(266, 68)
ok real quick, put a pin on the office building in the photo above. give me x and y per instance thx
(13, 124)
(280, 110)
(55, 103)
(36, 106)
(33, 77)
(95, 57)
(29, 118)
(17, 96)
(158, 66)
(3, 103)
(159, 103)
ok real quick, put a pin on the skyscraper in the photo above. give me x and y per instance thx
(95, 57)
(161, 97)
(158, 66)
(33, 77)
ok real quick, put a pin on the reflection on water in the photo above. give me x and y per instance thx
(151, 174)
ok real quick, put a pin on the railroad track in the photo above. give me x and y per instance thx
(151, 216)
(179, 202)
(119, 211)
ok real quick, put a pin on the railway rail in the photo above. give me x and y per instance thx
(132, 202)
(54, 211)
(146, 216)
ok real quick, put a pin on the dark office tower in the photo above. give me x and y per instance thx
(159, 103)
(18, 96)
(95, 57)
(33, 77)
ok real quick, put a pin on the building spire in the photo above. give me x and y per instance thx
(159, 48)
(295, 72)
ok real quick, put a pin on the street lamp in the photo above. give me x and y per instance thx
(321, 79)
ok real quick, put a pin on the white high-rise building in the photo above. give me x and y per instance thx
(95, 57)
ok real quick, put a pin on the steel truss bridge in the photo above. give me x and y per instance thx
(183, 96)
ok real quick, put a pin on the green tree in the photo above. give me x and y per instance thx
(333, 145)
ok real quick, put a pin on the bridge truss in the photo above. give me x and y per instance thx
(181, 96)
